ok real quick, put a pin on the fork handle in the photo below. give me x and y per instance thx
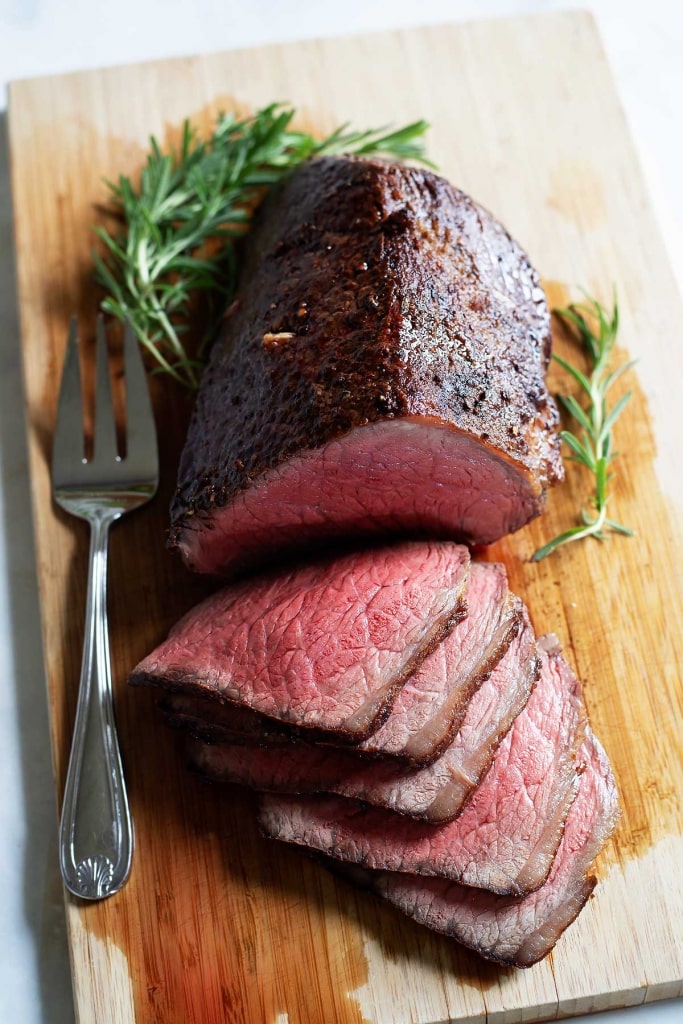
(96, 833)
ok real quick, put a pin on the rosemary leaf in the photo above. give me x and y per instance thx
(579, 377)
(573, 407)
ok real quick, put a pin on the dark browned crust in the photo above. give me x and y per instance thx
(178, 681)
(484, 669)
(269, 732)
(579, 902)
(366, 878)
(306, 788)
(534, 670)
(371, 291)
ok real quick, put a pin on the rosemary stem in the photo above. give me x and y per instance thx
(594, 448)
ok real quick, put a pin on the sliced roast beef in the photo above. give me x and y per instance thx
(520, 931)
(431, 706)
(434, 793)
(325, 646)
(449, 782)
(506, 837)
(382, 371)
(206, 719)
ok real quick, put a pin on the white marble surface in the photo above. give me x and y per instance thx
(644, 42)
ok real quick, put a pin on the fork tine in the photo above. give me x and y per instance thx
(140, 426)
(104, 441)
(68, 436)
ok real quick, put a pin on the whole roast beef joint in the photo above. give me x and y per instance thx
(375, 408)
(381, 372)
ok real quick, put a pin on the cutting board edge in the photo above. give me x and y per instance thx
(345, 38)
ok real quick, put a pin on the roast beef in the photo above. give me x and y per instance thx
(382, 371)
(206, 719)
(434, 793)
(520, 931)
(324, 646)
(506, 837)
(449, 782)
(431, 705)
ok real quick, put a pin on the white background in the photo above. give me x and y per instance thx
(644, 42)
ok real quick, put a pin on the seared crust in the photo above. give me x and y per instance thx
(492, 657)
(371, 291)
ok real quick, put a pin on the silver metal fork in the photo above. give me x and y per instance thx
(96, 833)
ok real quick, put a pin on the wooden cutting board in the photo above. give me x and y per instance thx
(215, 923)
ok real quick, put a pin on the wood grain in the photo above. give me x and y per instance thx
(216, 924)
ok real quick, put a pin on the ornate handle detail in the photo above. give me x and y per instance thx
(96, 833)
(94, 877)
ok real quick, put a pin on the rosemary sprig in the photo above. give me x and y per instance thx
(593, 448)
(181, 222)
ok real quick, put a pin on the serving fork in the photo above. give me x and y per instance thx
(96, 832)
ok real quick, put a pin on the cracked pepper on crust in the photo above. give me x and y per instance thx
(382, 371)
